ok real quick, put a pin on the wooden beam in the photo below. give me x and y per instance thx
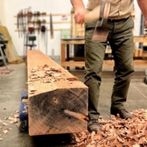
(57, 99)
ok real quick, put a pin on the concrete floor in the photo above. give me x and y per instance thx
(12, 84)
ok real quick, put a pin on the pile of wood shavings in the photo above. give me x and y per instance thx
(45, 74)
(48, 74)
(5, 71)
(117, 132)
(6, 124)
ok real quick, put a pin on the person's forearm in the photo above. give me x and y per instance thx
(79, 10)
(143, 6)
(77, 4)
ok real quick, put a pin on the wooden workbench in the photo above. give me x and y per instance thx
(139, 53)
(64, 52)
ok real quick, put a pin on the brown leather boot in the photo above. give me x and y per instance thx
(93, 126)
(122, 112)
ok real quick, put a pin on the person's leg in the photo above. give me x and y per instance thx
(122, 47)
(94, 55)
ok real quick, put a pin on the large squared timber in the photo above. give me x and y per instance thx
(58, 101)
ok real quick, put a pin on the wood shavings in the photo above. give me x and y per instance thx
(12, 119)
(32, 90)
(5, 131)
(45, 74)
(5, 70)
(6, 123)
(145, 114)
(116, 132)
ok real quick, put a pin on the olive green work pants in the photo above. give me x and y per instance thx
(120, 39)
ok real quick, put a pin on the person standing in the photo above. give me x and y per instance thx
(118, 30)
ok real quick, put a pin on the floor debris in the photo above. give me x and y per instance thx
(117, 132)
(6, 123)
(114, 132)
(5, 70)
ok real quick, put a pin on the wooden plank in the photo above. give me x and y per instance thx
(57, 99)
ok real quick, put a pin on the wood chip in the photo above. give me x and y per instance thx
(5, 131)
(116, 132)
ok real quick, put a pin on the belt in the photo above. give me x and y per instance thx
(89, 28)
(117, 20)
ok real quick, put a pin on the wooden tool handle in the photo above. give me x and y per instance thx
(98, 12)
(92, 15)
(76, 115)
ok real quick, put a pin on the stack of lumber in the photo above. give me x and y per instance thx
(57, 101)
(10, 51)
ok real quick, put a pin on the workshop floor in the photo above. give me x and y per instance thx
(12, 84)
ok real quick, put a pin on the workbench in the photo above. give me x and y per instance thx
(140, 51)
(66, 43)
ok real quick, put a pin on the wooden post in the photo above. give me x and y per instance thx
(57, 99)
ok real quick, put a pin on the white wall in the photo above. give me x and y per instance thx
(11, 8)
(137, 19)
(2, 18)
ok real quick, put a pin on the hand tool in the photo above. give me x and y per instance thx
(99, 14)
(51, 27)
(23, 114)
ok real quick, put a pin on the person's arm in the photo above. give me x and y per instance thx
(79, 10)
(143, 6)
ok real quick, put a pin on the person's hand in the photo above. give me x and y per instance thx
(79, 15)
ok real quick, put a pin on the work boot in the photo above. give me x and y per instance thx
(122, 112)
(93, 126)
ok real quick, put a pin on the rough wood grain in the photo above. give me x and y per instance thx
(52, 92)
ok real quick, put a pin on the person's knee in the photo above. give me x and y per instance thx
(92, 78)
(129, 68)
(124, 72)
